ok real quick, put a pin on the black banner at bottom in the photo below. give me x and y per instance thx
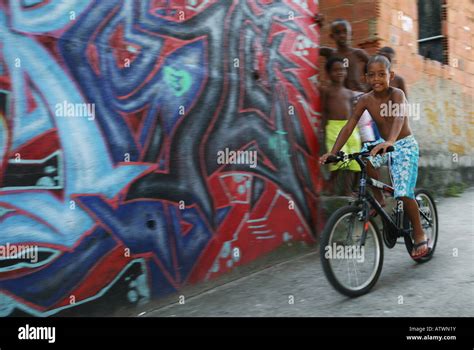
(19, 333)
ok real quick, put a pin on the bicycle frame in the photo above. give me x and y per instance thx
(352, 226)
(366, 198)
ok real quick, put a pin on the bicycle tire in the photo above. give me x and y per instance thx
(324, 242)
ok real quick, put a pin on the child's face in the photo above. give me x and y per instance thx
(338, 72)
(340, 34)
(378, 76)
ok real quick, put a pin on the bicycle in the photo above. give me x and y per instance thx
(351, 239)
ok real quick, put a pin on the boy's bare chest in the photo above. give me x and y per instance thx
(384, 122)
(377, 108)
(340, 95)
(352, 62)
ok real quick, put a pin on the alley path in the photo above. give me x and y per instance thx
(442, 287)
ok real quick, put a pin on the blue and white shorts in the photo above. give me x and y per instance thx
(403, 164)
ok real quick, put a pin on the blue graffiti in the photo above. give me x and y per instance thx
(153, 227)
(51, 16)
(88, 167)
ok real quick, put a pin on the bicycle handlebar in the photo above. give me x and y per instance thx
(343, 157)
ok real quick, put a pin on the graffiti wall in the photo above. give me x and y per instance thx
(147, 145)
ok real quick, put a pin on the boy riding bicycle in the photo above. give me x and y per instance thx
(387, 106)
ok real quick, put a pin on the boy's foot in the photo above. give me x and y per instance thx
(420, 249)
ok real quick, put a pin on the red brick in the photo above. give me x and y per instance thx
(445, 72)
(364, 10)
(452, 15)
(417, 62)
(383, 31)
(331, 3)
(459, 76)
(370, 46)
(444, 27)
(345, 12)
(459, 48)
(410, 8)
(470, 67)
(360, 31)
(385, 14)
(450, 71)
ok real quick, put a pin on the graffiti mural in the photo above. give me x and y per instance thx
(112, 114)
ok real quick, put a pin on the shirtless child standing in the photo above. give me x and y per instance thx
(337, 105)
(395, 131)
(397, 81)
(355, 59)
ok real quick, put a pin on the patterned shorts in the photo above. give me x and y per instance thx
(403, 164)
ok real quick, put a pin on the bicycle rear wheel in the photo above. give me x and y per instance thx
(427, 205)
(351, 268)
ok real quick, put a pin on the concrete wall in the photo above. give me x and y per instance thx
(112, 114)
(444, 92)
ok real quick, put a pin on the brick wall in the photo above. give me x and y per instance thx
(361, 14)
(445, 130)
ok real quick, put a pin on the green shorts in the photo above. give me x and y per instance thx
(353, 144)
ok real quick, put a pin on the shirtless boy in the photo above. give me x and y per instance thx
(397, 81)
(337, 105)
(395, 131)
(355, 59)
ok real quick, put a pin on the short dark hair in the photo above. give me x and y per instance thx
(378, 59)
(387, 50)
(341, 21)
(330, 62)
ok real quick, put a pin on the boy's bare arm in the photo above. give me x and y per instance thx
(362, 55)
(401, 83)
(326, 51)
(322, 95)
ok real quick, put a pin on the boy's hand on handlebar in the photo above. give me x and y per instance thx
(381, 146)
(324, 157)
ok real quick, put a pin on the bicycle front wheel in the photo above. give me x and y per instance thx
(351, 266)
